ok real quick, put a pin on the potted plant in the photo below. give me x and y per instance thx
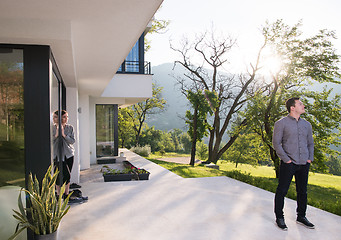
(44, 211)
(111, 174)
(141, 174)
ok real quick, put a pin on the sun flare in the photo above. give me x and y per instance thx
(271, 65)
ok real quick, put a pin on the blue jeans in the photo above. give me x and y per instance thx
(286, 172)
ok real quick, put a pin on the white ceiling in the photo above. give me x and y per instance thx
(89, 39)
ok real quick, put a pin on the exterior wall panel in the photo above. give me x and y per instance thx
(129, 86)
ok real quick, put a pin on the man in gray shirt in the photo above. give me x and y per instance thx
(293, 141)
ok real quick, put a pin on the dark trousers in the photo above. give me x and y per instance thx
(286, 172)
(66, 171)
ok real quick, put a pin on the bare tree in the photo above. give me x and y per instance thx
(233, 91)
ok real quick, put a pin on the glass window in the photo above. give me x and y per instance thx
(105, 130)
(132, 61)
(12, 166)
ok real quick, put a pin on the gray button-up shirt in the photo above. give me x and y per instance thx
(293, 140)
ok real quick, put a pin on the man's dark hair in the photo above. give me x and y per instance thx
(291, 103)
(63, 112)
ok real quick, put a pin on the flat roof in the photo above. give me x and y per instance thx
(89, 39)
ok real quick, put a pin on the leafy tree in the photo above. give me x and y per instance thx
(334, 164)
(323, 112)
(248, 148)
(158, 26)
(141, 110)
(167, 142)
(157, 139)
(186, 142)
(152, 137)
(11, 100)
(202, 150)
(176, 137)
(305, 62)
(202, 103)
(126, 134)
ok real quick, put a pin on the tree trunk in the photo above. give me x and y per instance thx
(240, 154)
(194, 139)
(275, 160)
(233, 138)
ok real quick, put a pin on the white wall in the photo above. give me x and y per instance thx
(72, 109)
(92, 121)
(84, 131)
(129, 86)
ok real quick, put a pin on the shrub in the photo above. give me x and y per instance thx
(202, 150)
(142, 151)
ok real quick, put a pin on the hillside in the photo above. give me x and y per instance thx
(176, 101)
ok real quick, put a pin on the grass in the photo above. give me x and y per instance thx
(322, 180)
(324, 191)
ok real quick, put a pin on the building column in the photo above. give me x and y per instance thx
(92, 119)
(84, 131)
(72, 109)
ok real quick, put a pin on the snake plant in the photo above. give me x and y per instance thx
(44, 211)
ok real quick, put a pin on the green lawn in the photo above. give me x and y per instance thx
(322, 180)
(324, 191)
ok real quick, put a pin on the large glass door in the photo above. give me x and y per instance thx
(12, 144)
(106, 130)
(12, 165)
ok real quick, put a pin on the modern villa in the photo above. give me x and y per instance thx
(82, 56)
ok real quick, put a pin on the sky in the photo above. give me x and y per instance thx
(240, 19)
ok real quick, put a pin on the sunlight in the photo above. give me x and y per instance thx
(271, 65)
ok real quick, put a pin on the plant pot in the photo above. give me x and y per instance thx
(143, 176)
(117, 177)
(51, 236)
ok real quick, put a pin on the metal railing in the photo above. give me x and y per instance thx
(135, 67)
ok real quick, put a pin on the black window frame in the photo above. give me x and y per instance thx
(37, 134)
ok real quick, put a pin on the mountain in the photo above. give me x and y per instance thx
(177, 104)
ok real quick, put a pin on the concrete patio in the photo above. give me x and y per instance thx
(170, 207)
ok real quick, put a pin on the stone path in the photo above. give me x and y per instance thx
(182, 160)
(168, 207)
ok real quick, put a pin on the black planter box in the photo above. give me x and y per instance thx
(143, 176)
(117, 177)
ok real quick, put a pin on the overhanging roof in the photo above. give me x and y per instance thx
(89, 39)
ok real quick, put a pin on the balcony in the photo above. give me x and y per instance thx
(135, 67)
